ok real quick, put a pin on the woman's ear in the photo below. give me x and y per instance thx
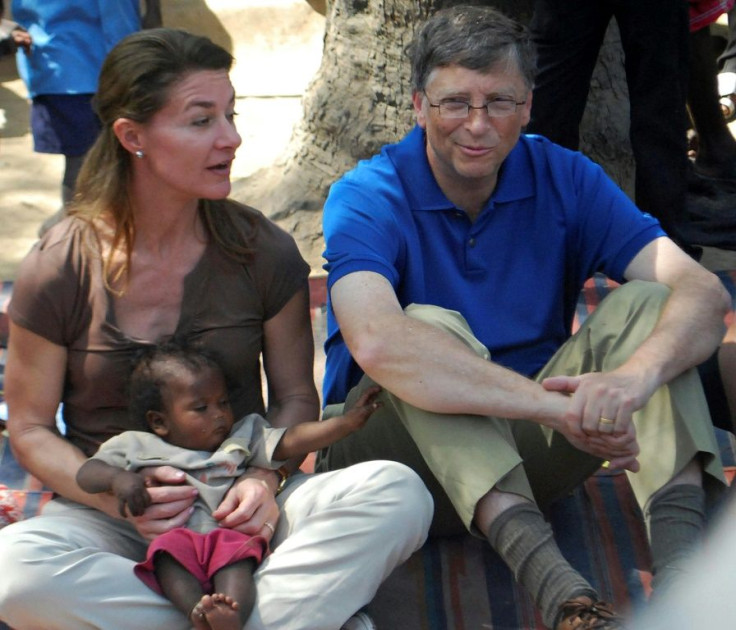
(129, 134)
(157, 422)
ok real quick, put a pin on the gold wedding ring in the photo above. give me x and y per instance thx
(271, 527)
(603, 420)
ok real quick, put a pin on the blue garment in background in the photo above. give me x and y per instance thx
(71, 38)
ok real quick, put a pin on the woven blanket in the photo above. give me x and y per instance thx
(461, 584)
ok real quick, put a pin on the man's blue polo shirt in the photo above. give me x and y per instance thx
(515, 273)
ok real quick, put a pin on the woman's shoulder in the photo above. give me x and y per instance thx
(267, 236)
(276, 266)
(243, 212)
(53, 282)
(60, 252)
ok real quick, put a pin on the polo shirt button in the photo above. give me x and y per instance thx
(471, 242)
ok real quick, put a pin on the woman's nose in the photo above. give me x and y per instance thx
(229, 136)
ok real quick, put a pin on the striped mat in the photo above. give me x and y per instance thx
(461, 584)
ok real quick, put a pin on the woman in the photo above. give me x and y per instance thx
(153, 249)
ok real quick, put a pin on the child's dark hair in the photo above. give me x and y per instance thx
(154, 366)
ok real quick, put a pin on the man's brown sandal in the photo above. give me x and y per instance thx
(582, 613)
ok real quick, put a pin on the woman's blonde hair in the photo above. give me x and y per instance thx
(135, 83)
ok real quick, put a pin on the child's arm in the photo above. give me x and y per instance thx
(96, 476)
(306, 437)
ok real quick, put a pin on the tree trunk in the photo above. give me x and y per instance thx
(360, 99)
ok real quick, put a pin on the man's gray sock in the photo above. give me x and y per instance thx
(676, 518)
(524, 540)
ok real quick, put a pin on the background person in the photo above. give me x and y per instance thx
(715, 155)
(70, 41)
(654, 37)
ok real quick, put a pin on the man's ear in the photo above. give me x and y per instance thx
(129, 133)
(526, 114)
(417, 98)
(157, 421)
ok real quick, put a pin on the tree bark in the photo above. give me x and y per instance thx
(360, 99)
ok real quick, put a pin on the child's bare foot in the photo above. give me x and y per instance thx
(216, 612)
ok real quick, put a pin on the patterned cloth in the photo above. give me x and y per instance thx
(705, 12)
(10, 511)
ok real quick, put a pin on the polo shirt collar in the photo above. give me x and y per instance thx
(409, 158)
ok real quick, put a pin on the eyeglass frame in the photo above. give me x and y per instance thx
(468, 107)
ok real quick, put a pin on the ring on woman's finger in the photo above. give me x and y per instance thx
(603, 420)
(271, 527)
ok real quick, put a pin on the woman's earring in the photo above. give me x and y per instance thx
(139, 154)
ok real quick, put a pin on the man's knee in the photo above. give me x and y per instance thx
(628, 314)
(637, 295)
(451, 322)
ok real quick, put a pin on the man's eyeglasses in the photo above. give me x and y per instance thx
(496, 108)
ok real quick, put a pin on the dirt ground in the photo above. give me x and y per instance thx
(277, 45)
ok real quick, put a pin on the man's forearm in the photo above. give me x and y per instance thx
(688, 332)
(430, 369)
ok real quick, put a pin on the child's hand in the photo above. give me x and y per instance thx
(365, 405)
(130, 489)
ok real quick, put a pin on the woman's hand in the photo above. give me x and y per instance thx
(171, 502)
(249, 507)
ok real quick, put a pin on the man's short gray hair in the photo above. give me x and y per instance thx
(474, 37)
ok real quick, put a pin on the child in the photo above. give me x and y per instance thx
(205, 570)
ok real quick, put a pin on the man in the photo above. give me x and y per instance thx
(455, 259)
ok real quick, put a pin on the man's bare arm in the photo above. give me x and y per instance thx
(691, 325)
(428, 367)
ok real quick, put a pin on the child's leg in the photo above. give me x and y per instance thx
(236, 581)
(179, 586)
(229, 607)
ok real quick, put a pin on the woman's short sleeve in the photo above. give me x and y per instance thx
(48, 292)
(279, 269)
